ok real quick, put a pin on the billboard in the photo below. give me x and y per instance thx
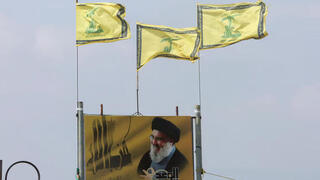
(138, 147)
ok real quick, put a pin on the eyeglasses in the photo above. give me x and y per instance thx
(157, 138)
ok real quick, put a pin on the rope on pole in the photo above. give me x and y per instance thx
(225, 177)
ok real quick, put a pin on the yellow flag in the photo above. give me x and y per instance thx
(100, 22)
(222, 25)
(161, 41)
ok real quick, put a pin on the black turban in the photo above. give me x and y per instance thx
(166, 127)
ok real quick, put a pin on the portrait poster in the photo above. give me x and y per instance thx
(118, 147)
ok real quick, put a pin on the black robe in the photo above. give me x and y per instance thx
(177, 160)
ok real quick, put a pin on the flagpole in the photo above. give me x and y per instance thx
(138, 113)
(137, 80)
(80, 173)
(77, 73)
(80, 143)
(0, 169)
(199, 169)
(199, 79)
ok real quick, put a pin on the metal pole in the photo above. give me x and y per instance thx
(199, 80)
(77, 73)
(101, 109)
(199, 170)
(80, 129)
(80, 144)
(138, 93)
(0, 169)
(177, 110)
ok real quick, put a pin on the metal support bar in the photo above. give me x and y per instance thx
(177, 110)
(101, 109)
(199, 170)
(0, 169)
(137, 93)
(80, 144)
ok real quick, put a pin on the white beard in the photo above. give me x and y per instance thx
(163, 152)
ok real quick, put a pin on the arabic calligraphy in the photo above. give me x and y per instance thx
(162, 174)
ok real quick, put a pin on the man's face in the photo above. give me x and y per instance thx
(160, 146)
(159, 139)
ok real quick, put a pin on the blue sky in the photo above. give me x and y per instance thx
(260, 98)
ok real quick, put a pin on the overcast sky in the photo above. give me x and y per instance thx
(260, 98)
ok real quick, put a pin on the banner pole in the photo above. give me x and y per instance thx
(137, 80)
(80, 142)
(0, 169)
(199, 79)
(138, 113)
(77, 73)
(199, 169)
(80, 174)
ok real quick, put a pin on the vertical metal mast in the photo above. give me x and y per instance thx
(199, 170)
(80, 143)
(80, 129)
(0, 169)
(138, 113)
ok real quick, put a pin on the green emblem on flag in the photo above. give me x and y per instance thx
(94, 26)
(229, 29)
(100, 23)
(168, 49)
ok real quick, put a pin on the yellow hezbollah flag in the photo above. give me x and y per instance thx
(222, 25)
(161, 41)
(100, 22)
